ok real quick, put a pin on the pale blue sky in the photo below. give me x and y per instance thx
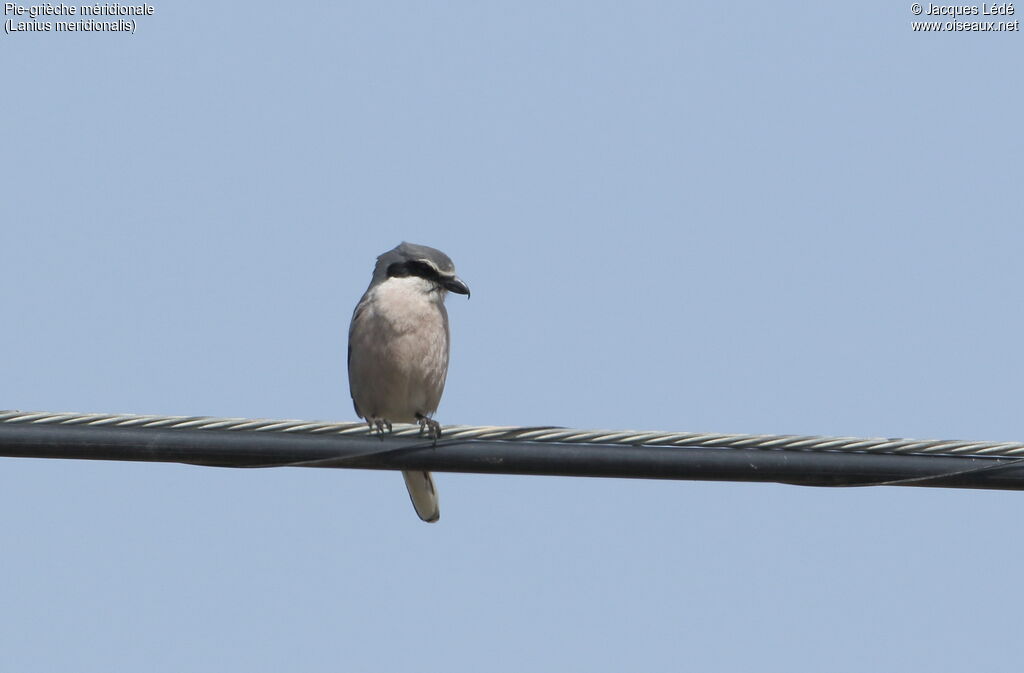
(732, 217)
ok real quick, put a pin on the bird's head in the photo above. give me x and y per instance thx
(409, 259)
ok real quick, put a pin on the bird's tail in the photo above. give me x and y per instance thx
(423, 494)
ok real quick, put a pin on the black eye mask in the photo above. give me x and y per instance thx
(413, 268)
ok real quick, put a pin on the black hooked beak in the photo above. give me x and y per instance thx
(455, 284)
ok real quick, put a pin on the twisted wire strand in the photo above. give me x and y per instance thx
(554, 435)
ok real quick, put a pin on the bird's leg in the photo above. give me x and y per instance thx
(429, 426)
(377, 426)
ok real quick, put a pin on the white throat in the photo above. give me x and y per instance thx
(410, 288)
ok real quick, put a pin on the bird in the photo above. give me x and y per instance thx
(398, 348)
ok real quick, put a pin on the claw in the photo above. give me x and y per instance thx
(377, 426)
(429, 426)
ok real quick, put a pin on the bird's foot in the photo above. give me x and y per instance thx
(429, 426)
(377, 426)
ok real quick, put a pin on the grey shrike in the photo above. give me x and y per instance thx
(398, 350)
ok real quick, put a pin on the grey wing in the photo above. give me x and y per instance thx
(356, 314)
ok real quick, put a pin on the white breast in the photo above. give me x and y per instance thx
(399, 357)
